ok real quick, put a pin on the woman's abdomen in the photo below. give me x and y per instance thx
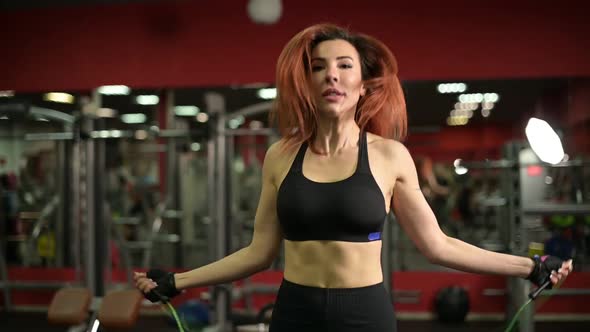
(333, 264)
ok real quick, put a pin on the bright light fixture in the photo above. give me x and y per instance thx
(114, 90)
(267, 93)
(133, 118)
(457, 120)
(59, 97)
(451, 87)
(491, 97)
(460, 170)
(544, 141)
(6, 93)
(186, 110)
(147, 100)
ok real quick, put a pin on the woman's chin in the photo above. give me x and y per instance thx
(332, 112)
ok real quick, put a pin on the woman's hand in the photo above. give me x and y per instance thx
(550, 268)
(143, 283)
(562, 272)
(156, 285)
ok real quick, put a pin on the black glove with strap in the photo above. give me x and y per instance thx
(166, 288)
(542, 270)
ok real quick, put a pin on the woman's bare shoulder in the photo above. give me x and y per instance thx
(388, 148)
(280, 150)
(279, 156)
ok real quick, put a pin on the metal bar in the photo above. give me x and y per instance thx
(50, 114)
(27, 109)
(172, 172)
(250, 132)
(550, 208)
(216, 107)
(116, 133)
(101, 235)
(49, 136)
(124, 253)
(75, 216)
(253, 109)
(154, 230)
(211, 194)
(174, 132)
(88, 183)
(502, 163)
(62, 234)
(45, 213)
(222, 298)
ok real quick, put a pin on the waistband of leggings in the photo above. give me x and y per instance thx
(352, 290)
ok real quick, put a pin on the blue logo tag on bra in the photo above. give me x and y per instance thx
(375, 236)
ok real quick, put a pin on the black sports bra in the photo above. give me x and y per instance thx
(348, 210)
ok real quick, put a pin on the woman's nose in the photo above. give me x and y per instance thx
(331, 76)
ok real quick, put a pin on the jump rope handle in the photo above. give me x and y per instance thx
(533, 295)
(163, 299)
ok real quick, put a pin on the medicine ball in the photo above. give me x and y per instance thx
(452, 304)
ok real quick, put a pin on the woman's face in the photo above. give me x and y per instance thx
(336, 77)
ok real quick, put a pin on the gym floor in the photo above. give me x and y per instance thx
(25, 322)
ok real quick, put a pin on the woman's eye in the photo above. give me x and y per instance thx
(346, 66)
(316, 68)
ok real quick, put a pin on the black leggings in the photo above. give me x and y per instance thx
(310, 309)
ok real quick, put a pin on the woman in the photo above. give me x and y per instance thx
(327, 187)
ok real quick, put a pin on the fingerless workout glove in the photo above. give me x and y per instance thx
(542, 270)
(166, 288)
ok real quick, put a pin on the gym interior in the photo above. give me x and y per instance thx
(132, 136)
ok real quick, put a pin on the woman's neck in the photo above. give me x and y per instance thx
(333, 136)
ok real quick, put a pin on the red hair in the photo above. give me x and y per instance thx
(382, 110)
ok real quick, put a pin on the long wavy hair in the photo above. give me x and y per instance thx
(382, 110)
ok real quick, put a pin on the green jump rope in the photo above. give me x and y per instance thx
(532, 296)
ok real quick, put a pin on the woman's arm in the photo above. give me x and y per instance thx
(419, 222)
(257, 256)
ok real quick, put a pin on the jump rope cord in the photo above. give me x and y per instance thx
(532, 296)
(175, 315)
(515, 318)
(172, 311)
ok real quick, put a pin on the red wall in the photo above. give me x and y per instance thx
(471, 142)
(569, 111)
(577, 117)
(204, 43)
